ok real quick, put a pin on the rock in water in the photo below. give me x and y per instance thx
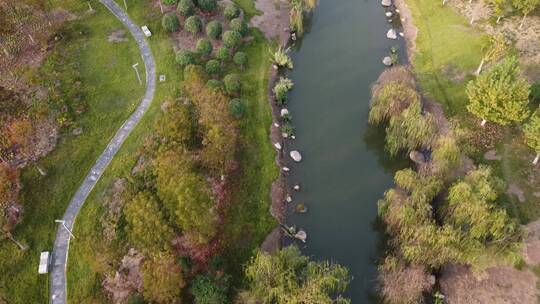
(417, 157)
(391, 34)
(387, 61)
(296, 156)
(301, 235)
(284, 112)
(386, 3)
(288, 199)
(286, 169)
(388, 14)
(278, 146)
(296, 187)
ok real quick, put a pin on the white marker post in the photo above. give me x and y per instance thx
(65, 227)
(137, 71)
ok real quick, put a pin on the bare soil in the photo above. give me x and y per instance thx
(274, 22)
(531, 250)
(409, 30)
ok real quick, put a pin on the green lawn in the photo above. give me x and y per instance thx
(448, 52)
(249, 8)
(111, 94)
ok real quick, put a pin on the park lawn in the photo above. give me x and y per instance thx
(111, 94)
(448, 51)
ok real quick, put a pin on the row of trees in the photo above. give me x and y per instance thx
(502, 7)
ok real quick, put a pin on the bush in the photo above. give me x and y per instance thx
(213, 67)
(213, 29)
(204, 47)
(207, 5)
(223, 54)
(214, 84)
(208, 290)
(281, 88)
(232, 84)
(193, 25)
(240, 59)
(185, 58)
(281, 59)
(169, 2)
(237, 108)
(186, 8)
(239, 25)
(232, 39)
(170, 22)
(231, 11)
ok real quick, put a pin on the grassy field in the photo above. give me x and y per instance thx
(111, 92)
(91, 258)
(448, 52)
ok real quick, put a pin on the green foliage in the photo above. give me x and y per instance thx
(170, 22)
(223, 54)
(231, 11)
(232, 84)
(193, 25)
(237, 107)
(213, 67)
(162, 279)
(390, 100)
(535, 93)
(445, 155)
(282, 87)
(147, 228)
(232, 39)
(169, 2)
(526, 6)
(532, 131)
(185, 58)
(209, 290)
(204, 47)
(281, 58)
(186, 8)
(500, 95)
(178, 127)
(214, 29)
(289, 277)
(207, 6)
(239, 25)
(240, 59)
(214, 84)
(296, 14)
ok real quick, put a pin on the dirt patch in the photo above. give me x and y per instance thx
(274, 22)
(118, 36)
(409, 30)
(516, 191)
(531, 249)
(492, 155)
(127, 280)
(272, 241)
(497, 285)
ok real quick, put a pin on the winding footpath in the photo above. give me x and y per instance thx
(58, 286)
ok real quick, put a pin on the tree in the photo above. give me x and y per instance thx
(232, 39)
(237, 107)
(186, 8)
(238, 25)
(214, 84)
(289, 277)
(170, 22)
(297, 12)
(500, 7)
(497, 49)
(193, 25)
(499, 95)
(525, 6)
(240, 59)
(162, 279)
(213, 67)
(146, 225)
(532, 134)
(204, 47)
(223, 54)
(185, 58)
(231, 11)
(209, 290)
(232, 84)
(178, 126)
(207, 6)
(213, 29)
(390, 99)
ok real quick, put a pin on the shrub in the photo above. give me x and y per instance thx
(213, 67)
(240, 59)
(281, 59)
(204, 47)
(281, 88)
(209, 290)
(232, 84)
(207, 5)
(170, 22)
(237, 108)
(185, 58)
(186, 8)
(169, 2)
(213, 29)
(223, 54)
(193, 25)
(214, 84)
(288, 129)
(232, 39)
(231, 11)
(535, 93)
(239, 25)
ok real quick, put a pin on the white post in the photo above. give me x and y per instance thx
(480, 67)
(125, 5)
(137, 72)
(472, 20)
(443, 2)
(65, 227)
(522, 20)
(535, 161)
(483, 123)
(499, 19)
(161, 6)
(90, 7)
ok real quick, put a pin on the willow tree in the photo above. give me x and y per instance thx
(525, 7)
(532, 134)
(496, 50)
(299, 8)
(499, 95)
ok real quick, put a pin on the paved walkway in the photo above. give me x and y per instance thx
(61, 244)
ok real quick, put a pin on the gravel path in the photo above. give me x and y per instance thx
(61, 244)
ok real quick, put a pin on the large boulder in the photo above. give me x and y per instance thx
(296, 156)
(386, 3)
(391, 34)
(284, 112)
(387, 61)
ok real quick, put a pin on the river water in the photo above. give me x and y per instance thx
(345, 169)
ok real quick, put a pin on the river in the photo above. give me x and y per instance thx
(345, 169)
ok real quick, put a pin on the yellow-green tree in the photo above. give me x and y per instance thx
(499, 95)
(496, 50)
(526, 7)
(532, 134)
(162, 279)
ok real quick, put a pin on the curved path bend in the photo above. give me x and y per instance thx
(58, 287)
